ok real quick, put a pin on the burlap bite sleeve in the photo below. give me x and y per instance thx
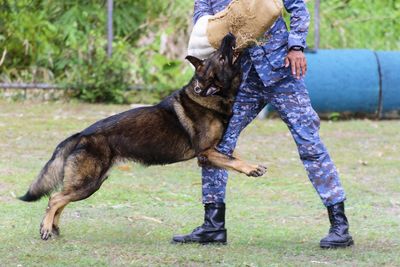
(246, 19)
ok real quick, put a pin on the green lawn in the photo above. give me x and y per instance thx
(275, 220)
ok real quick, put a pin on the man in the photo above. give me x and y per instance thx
(273, 73)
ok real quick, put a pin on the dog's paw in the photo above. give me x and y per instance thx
(45, 232)
(55, 230)
(257, 171)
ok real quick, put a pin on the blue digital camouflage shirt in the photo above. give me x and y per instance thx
(269, 58)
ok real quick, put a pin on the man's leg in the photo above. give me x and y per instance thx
(248, 103)
(303, 122)
(214, 179)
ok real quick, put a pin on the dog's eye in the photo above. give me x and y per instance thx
(197, 89)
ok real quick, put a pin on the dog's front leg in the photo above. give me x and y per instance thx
(202, 158)
(215, 158)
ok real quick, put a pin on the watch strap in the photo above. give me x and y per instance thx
(297, 48)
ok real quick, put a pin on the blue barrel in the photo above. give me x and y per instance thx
(354, 80)
(343, 80)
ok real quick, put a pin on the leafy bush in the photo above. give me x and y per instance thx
(97, 78)
(63, 42)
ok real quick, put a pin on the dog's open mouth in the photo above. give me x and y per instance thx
(211, 90)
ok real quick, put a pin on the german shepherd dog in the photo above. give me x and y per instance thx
(186, 124)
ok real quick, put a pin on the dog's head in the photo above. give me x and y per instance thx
(219, 73)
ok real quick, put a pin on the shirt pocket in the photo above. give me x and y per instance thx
(276, 51)
(277, 57)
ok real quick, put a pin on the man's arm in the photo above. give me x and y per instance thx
(201, 8)
(299, 22)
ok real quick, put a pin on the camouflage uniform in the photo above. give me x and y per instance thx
(266, 80)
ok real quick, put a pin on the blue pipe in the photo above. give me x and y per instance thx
(354, 80)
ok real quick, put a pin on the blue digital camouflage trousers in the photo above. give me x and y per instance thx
(290, 99)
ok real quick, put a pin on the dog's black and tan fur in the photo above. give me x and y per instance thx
(187, 124)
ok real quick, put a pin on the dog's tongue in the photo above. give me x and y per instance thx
(210, 91)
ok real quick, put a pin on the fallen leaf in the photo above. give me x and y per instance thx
(362, 162)
(124, 168)
(148, 218)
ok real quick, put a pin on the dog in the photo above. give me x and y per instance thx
(186, 124)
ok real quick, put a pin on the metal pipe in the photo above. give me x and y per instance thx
(30, 86)
(316, 25)
(110, 36)
(59, 87)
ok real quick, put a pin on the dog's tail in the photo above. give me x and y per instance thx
(52, 174)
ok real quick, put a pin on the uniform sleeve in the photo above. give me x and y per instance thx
(201, 8)
(299, 22)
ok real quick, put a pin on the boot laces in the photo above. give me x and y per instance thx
(336, 229)
(197, 228)
(203, 226)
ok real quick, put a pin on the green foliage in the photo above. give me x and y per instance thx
(97, 78)
(64, 42)
(157, 70)
(367, 24)
(334, 116)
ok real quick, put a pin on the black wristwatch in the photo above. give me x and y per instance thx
(297, 48)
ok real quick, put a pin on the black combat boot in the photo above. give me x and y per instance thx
(339, 232)
(213, 229)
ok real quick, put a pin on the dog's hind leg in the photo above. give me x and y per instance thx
(57, 201)
(83, 176)
(56, 221)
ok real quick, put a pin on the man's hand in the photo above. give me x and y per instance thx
(297, 62)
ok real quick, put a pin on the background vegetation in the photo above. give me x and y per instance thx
(63, 42)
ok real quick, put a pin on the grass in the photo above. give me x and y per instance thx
(276, 220)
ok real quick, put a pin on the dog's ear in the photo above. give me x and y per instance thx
(196, 62)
